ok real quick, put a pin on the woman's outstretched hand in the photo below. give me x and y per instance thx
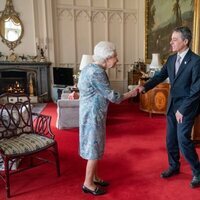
(139, 88)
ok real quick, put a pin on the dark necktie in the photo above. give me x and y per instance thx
(177, 64)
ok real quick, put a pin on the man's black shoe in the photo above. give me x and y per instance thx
(195, 182)
(169, 172)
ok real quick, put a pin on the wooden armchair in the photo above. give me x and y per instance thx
(22, 138)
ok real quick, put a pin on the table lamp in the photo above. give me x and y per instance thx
(155, 65)
(86, 59)
(155, 62)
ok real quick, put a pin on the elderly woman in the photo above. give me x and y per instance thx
(95, 94)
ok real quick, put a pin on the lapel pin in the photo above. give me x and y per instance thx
(185, 62)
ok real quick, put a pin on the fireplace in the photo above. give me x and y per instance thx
(29, 78)
(13, 82)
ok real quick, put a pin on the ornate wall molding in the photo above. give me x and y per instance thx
(79, 14)
(130, 16)
(99, 15)
(62, 12)
(68, 65)
(115, 16)
(93, 13)
(81, 27)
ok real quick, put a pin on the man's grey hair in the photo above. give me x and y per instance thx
(185, 33)
(103, 50)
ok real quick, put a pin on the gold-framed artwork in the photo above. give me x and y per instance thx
(196, 28)
(161, 17)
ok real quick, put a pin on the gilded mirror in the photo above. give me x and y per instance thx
(11, 27)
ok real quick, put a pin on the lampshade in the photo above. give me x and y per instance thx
(86, 59)
(155, 62)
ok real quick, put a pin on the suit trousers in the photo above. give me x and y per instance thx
(178, 140)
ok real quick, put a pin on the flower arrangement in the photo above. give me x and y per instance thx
(138, 66)
(76, 77)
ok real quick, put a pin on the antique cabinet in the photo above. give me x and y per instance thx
(155, 100)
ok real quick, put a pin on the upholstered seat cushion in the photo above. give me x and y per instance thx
(66, 103)
(24, 143)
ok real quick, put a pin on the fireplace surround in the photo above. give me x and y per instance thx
(32, 78)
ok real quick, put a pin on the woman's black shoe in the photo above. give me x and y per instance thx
(101, 183)
(96, 192)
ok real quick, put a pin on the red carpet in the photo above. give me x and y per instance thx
(134, 157)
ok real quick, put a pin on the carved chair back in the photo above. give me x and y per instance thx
(15, 115)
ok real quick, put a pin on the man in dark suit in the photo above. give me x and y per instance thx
(183, 71)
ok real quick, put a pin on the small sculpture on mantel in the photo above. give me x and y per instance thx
(12, 57)
(42, 56)
(32, 58)
(2, 57)
(31, 91)
(41, 47)
(23, 58)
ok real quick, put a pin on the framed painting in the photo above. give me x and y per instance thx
(196, 28)
(161, 17)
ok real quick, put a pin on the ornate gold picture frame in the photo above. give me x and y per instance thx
(161, 17)
(196, 28)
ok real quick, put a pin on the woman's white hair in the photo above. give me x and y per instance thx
(103, 50)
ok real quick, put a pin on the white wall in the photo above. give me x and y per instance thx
(83, 23)
(27, 46)
(70, 28)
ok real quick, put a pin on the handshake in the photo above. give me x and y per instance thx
(133, 93)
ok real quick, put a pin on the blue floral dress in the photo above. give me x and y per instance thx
(95, 94)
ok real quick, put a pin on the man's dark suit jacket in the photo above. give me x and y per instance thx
(185, 86)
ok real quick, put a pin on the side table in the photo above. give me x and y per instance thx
(155, 100)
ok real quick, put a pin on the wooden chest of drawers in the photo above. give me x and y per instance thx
(155, 100)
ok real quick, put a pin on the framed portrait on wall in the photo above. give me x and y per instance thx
(161, 17)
